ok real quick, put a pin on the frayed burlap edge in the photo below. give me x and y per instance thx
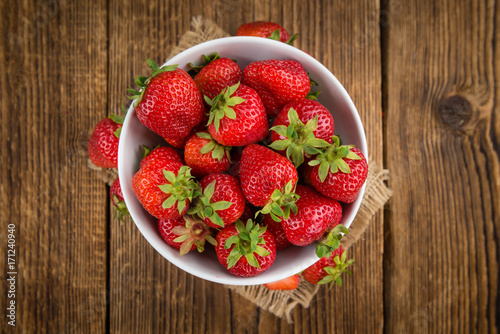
(107, 175)
(282, 303)
(202, 30)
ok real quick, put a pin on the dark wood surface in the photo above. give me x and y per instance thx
(425, 77)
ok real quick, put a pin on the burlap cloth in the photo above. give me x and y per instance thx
(282, 303)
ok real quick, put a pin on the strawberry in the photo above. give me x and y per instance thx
(267, 30)
(168, 103)
(278, 82)
(300, 128)
(159, 152)
(220, 202)
(185, 233)
(268, 180)
(165, 188)
(245, 250)
(116, 195)
(328, 269)
(205, 156)
(217, 75)
(237, 116)
(315, 215)
(339, 172)
(103, 143)
(289, 283)
(277, 230)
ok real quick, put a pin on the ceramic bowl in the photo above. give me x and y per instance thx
(245, 50)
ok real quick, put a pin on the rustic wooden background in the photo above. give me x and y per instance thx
(425, 76)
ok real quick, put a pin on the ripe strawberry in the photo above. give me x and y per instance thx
(245, 250)
(339, 172)
(237, 117)
(278, 82)
(168, 103)
(289, 283)
(185, 233)
(300, 128)
(159, 152)
(103, 143)
(316, 214)
(328, 269)
(205, 156)
(267, 30)
(116, 195)
(217, 75)
(277, 230)
(268, 180)
(221, 201)
(165, 188)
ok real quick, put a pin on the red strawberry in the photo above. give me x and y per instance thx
(245, 250)
(185, 233)
(328, 269)
(316, 214)
(205, 156)
(221, 201)
(160, 152)
(311, 127)
(265, 29)
(268, 180)
(339, 172)
(277, 230)
(289, 283)
(169, 103)
(217, 75)
(278, 82)
(103, 143)
(116, 195)
(165, 188)
(237, 117)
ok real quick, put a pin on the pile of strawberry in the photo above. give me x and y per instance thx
(226, 176)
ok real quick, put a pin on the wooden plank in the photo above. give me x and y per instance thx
(53, 88)
(167, 297)
(441, 259)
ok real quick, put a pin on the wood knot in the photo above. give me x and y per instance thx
(455, 111)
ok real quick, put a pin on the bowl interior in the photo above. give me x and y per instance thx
(245, 49)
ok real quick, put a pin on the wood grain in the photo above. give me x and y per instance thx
(168, 298)
(441, 259)
(53, 88)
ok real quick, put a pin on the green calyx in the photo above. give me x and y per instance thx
(331, 159)
(194, 232)
(313, 94)
(246, 243)
(218, 150)
(142, 81)
(282, 202)
(331, 241)
(206, 60)
(300, 139)
(221, 105)
(203, 208)
(334, 273)
(180, 187)
(121, 210)
(275, 35)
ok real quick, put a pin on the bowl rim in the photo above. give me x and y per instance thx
(177, 261)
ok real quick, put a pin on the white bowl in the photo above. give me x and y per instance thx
(245, 49)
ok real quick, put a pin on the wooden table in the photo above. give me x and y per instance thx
(425, 77)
